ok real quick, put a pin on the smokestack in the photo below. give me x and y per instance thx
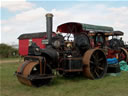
(49, 27)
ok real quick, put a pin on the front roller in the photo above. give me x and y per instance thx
(95, 64)
(34, 72)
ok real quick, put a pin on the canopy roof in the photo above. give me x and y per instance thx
(33, 35)
(96, 28)
(114, 33)
(118, 33)
(73, 27)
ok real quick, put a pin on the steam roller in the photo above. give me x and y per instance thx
(69, 58)
(34, 72)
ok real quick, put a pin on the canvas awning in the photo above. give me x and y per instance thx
(73, 27)
(96, 28)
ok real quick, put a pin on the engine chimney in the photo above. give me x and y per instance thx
(49, 27)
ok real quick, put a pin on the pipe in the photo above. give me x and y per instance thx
(49, 17)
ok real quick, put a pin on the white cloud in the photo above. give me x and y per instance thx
(7, 29)
(25, 22)
(33, 20)
(16, 5)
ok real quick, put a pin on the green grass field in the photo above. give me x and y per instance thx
(60, 86)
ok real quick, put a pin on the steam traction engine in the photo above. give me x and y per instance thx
(73, 50)
(114, 48)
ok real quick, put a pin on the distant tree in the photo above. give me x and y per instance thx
(7, 51)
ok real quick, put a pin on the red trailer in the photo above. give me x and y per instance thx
(26, 39)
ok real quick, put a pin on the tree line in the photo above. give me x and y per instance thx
(7, 51)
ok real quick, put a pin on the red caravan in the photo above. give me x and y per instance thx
(26, 39)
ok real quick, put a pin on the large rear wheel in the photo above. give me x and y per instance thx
(95, 64)
(123, 55)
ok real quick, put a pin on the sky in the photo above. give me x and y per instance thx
(28, 16)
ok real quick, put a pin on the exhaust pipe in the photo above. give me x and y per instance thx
(49, 17)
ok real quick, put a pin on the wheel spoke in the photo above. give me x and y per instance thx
(101, 68)
(96, 54)
(100, 59)
(100, 64)
(92, 62)
(97, 73)
(94, 57)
